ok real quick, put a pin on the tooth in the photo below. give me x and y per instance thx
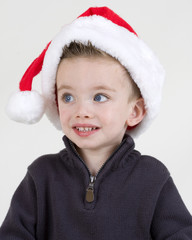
(85, 129)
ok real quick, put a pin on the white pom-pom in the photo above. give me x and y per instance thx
(26, 107)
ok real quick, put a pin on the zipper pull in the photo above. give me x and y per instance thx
(90, 190)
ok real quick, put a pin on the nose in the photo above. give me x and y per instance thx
(84, 110)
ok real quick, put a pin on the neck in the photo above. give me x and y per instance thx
(94, 159)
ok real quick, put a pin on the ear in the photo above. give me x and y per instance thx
(136, 113)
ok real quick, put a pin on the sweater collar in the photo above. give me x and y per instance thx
(118, 159)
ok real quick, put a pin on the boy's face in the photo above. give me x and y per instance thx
(93, 102)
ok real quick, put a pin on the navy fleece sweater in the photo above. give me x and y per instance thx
(133, 197)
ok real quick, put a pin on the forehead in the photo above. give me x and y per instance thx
(91, 70)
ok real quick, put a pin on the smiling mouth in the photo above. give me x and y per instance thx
(85, 129)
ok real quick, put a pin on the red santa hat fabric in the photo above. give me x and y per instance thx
(108, 32)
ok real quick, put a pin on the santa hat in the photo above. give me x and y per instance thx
(108, 32)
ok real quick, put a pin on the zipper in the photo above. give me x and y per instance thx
(77, 154)
(90, 189)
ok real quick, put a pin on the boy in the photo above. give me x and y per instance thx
(102, 85)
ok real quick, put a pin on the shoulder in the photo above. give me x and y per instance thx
(152, 169)
(47, 164)
(152, 163)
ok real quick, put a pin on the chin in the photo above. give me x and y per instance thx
(84, 145)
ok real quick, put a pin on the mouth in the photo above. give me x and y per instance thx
(85, 129)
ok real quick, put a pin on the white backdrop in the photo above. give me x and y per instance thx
(166, 26)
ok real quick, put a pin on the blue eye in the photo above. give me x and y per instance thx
(68, 98)
(100, 98)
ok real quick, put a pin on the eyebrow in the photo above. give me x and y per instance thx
(64, 87)
(104, 87)
(99, 87)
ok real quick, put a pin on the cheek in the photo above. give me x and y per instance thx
(64, 114)
(109, 116)
(119, 115)
(117, 110)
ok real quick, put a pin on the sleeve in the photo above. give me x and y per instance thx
(171, 220)
(20, 222)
